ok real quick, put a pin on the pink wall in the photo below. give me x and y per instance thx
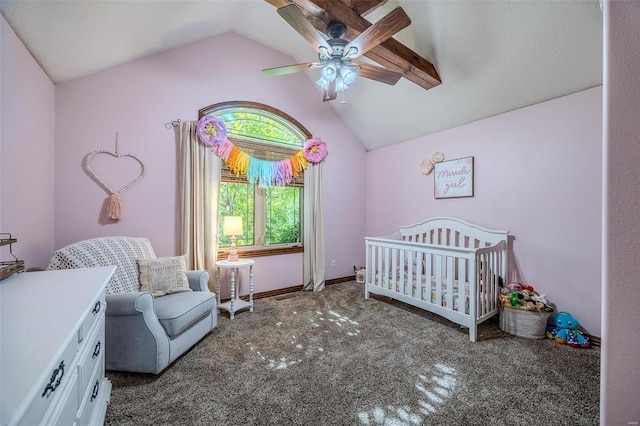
(620, 383)
(139, 98)
(26, 153)
(537, 175)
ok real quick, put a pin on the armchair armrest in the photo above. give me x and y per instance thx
(135, 339)
(132, 303)
(198, 280)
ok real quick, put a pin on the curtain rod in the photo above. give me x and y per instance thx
(174, 123)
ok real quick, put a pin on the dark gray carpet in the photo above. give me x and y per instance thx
(333, 358)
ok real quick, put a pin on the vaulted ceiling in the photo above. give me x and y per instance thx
(461, 60)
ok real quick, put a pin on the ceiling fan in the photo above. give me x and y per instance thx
(336, 55)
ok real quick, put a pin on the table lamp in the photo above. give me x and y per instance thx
(232, 225)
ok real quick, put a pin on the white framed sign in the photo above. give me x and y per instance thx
(453, 178)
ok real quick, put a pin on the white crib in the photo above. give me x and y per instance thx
(443, 265)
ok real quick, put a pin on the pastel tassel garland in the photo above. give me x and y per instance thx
(261, 171)
(282, 172)
(298, 163)
(238, 161)
(223, 149)
(212, 133)
(114, 207)
(254, 170)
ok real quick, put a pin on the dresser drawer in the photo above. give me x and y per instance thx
(96, 312)
(92, 355)
(94, 393)
(61, 376)
(65, 414)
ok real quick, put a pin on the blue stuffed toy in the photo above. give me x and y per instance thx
(565, 329)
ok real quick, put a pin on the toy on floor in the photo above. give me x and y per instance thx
(565, 330)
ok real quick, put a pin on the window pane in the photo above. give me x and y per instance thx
(282, 205)
(259, 126)
(236, 199)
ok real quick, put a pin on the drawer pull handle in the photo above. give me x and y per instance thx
(55, 380)
(96, 308)
(96, 388)
(96, 351)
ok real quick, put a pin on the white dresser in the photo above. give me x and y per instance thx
(52, 347)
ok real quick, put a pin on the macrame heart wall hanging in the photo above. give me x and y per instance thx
(114, 206)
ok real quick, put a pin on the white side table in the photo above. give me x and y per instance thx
(236, 304)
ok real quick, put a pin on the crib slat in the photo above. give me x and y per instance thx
(379, 251)
(450, 304)
(419, 277)
(408, 287)
(483, 284)
(398, 258)
(438, 279)
(390, 265)
(462, 285)
(428, 291)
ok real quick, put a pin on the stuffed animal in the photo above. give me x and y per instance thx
(527, 300)
(565, 329)
(514, 286)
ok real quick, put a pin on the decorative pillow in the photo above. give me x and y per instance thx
(163, 275)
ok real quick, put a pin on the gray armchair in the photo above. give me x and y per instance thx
(143, 333)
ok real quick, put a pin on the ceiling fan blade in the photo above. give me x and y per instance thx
(330, 93)
(381, 74)
(289, 69)
(380, 31)
(294, 16)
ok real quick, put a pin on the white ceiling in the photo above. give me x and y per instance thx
(492, 56)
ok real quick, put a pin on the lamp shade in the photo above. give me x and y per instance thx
(232, 225)
(329, 72)
(348, 73)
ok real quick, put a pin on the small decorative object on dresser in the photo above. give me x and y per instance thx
(52, 364)
(9, 267)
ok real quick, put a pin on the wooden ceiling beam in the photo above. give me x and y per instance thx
(363, 7)
(391, 53)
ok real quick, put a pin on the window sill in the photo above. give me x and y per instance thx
(262, 252)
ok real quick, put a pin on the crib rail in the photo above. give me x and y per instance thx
(461, 284)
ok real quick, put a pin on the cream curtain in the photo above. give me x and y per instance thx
(200, 187)
(313, 267)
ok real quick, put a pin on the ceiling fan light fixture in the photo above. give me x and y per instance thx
(329, 72)
(348, 74)
(322, 83)
(341, 86)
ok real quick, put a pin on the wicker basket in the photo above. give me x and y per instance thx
(523, 323)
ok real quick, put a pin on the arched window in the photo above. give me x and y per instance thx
(273, 216)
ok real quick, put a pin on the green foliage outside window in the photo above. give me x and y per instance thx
(283, 215)
(236, 199)
(260, 128)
